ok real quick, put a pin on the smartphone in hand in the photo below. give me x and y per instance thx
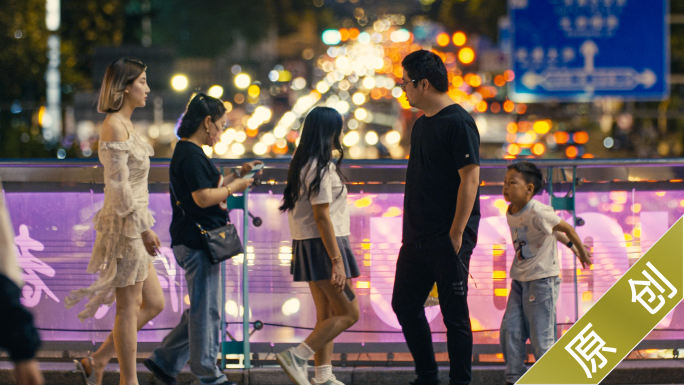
(349, 293)
(255, 170)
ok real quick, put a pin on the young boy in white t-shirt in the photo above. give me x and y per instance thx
(535, 231)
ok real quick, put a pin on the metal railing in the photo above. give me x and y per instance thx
(81, 180)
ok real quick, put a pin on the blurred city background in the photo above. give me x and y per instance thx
(272, 60)
(544, 79)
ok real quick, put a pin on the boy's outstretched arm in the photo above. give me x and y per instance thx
(562, 238)
(564, 233)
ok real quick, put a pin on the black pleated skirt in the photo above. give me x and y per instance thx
(310, 260)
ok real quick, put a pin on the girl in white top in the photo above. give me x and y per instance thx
(316, 201)
(125, 245)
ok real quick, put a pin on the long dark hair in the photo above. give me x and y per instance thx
(198, 109)
(321, 132)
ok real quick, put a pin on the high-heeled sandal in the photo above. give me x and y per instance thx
(89, 379)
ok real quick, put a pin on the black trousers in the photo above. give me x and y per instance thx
(419, 266)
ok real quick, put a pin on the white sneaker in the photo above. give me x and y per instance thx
(330, 381)
(294, 366)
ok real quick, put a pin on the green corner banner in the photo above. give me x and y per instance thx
(623, 317)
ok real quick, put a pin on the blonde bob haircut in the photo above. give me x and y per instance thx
(119, 75)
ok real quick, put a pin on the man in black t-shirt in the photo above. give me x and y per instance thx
(441, 217)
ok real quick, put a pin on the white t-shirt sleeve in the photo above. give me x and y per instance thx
(325, 192)
(546, 219)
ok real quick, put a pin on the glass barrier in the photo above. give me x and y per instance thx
(622, 220)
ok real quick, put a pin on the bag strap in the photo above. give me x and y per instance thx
(178, 203)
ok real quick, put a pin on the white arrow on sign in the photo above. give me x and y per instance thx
(589, 78)
(589, 49)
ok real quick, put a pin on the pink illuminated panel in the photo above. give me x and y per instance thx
(54, 237)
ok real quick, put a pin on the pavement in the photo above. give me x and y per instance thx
(670, 371)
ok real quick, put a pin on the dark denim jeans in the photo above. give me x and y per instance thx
(196, 337)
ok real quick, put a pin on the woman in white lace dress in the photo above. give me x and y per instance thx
(125, 245)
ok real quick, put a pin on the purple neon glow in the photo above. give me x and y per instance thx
(55, 236)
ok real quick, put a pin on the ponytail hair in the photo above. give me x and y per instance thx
(198, 109)
(119, 75)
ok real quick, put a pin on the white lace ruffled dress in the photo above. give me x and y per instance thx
(119, 256)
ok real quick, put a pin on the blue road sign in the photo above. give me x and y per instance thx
(584, 49)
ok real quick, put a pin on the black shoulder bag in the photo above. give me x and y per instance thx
(221, 243)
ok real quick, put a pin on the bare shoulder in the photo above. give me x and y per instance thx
(113, 130)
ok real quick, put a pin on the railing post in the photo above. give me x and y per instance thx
(566, 203)
(224, 324)
(574, 225)
(222, 282)
(245, 284)
(549, 181)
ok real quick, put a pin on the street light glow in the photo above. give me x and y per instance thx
(52, 15)
(351, 138)
(466, 55)
(443, 39)
(215, 91)
(393, 137)
(179, 82)
(254, 90)
(369, 82)
(459, 39)
(242, 81)
(238, 149)
(259, 149)
(331, 37)
(371, 138)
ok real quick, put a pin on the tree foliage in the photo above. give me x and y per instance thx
(206, 28)
(471, 16)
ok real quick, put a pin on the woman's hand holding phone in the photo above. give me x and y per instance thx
(249, 166)
(240, 185)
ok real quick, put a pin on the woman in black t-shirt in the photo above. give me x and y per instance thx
(202, 192)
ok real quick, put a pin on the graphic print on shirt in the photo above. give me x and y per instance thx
(522, 249)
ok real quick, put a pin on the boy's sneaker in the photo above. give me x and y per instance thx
(330, 381)
(294, 366)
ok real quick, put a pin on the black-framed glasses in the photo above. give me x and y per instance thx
(403, 83)
(222, 129)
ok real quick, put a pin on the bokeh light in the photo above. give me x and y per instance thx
(242, 81)
(443, 39)
(215, 91)
(331, 37)
(541, 127)
(459, 38)
(561, 137)
(351, 138)
(179, 82)
(253, 90)
(466, 55)
(580, 137)
(371, 138)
